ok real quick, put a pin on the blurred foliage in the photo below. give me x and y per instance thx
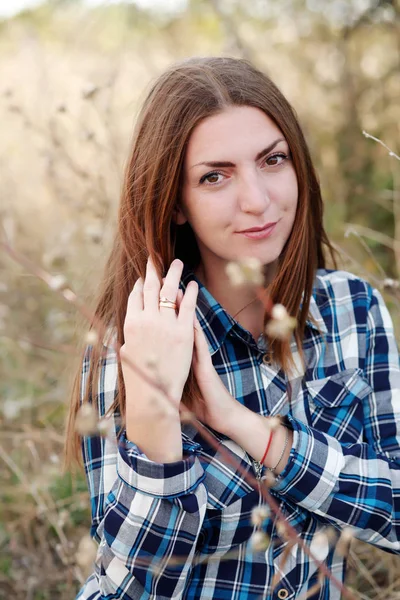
(71, 81)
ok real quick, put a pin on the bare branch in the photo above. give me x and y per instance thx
(391, 153)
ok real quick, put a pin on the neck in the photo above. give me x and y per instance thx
(241, 302)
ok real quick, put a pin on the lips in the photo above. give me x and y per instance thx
(260, 234)
(258, 228)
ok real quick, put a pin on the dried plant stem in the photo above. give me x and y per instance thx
(185, 413)
(396, 215)
(356, 263)
(60, 348)
(64, 291)
(391, 153)
(42, 506)
(21, 476)
(250, 479)
(377, 236)
(363, 570)
(38, 434)
(383, 594)
(368, 250)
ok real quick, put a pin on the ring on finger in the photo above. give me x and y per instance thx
(165, 303)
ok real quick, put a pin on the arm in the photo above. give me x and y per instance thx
(245, 421)
(349, 484)
(141, 511)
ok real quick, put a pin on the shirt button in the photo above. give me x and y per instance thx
(282, 594)
(267, 359)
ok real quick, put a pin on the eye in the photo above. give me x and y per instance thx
(211, 178)
(276, 159)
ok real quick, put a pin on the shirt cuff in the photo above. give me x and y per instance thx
(313, 468)
(162, 480)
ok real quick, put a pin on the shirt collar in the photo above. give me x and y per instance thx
(217, 323)
(214, 320)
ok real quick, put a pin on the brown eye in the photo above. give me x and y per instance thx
(276, 159)
(211, 178)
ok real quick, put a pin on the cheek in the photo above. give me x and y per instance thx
(287, 192)
(210, 211)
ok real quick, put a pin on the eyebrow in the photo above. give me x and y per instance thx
(221, 164)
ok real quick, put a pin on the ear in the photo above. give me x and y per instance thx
(178, 216)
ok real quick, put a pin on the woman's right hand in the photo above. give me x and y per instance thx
(158, 336)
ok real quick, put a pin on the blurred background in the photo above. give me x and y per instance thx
(72, 76)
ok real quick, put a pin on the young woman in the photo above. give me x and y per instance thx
(217, 152)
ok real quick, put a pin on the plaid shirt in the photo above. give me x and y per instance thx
(343, 469)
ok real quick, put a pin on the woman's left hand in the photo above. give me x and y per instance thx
(221, 409)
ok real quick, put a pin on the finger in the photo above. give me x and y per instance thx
(135, 299)
(196, 348)
(151, 288)
(179, 299)
(196, 322)
(188, 304)
(170, 287)
(200, 337)
(201, 353)
(203, 342)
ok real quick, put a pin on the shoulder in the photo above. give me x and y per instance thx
(341, 286)
(342, 301)
(347, 299)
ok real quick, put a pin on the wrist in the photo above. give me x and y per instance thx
(279, 451)
(248, 429)
(160, 440)
(252, 432)
(236, 421)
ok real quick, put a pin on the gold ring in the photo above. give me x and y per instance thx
(166, 303)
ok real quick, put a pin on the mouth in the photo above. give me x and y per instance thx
(266, 226)
(260, 233)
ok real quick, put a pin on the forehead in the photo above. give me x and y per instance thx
(235, 130)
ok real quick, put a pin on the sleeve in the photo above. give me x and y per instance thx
(358, 484)
(146, 516)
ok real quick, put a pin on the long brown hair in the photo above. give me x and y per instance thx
(178, 101)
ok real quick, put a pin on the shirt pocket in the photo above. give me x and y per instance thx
(227, 529)
(335, 404)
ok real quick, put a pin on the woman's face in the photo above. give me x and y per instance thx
(238, 175)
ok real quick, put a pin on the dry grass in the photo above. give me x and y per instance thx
(68, 96)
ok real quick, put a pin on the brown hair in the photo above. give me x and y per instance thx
(179, 100)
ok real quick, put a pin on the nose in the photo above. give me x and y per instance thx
(252, 193)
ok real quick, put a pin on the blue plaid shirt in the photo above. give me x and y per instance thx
(343, 469)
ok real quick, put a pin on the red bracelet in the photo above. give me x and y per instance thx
(267, 448)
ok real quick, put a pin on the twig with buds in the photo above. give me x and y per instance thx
(59, 285)
(391, 153)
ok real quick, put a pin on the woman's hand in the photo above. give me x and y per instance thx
(159, 340)
(220, 408)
